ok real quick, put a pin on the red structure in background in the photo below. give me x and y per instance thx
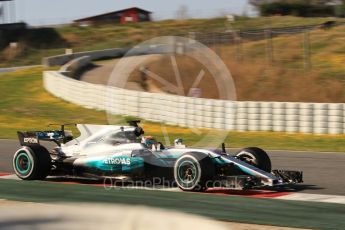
(130, 15)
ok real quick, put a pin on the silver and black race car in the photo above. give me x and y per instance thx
(122, 153)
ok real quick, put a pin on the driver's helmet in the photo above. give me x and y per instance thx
(149, 141)
(178, 141)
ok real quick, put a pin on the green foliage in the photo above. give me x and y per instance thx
(340, 9)
(297, 8)
(43, 38)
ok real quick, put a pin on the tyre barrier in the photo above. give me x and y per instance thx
(292, 117)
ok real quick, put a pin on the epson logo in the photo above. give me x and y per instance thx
(30, 140)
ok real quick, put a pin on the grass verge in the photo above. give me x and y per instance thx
(25, 105)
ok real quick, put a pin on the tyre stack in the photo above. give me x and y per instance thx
(278, 111)
(242, 116)
(218, 114)
(343, 118)
(230, 115)
(198, 112)
(208, 113)
(335, 118)
(145, 108)
(253, 116)
(115, 101)
(89, 101)
(292, 117)
(156, 108)
(164, 109)
(131, 100)
(182, 111)
(266, 117)
(171, 112)
(306, 117)
(320, 118)
(190, 112)
(100, 97)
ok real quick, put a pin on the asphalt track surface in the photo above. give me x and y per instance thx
(101, 73)
(300, 214)
(324, 173)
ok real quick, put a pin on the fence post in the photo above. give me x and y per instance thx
(192, 37)
(238, 43)
(306, 49)
(269, 46)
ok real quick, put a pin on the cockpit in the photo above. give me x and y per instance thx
(121, 137)
(113, 137)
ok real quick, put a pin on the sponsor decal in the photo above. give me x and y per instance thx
(117, 161)
(31, 140)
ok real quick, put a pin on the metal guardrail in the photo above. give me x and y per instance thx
(230, 37)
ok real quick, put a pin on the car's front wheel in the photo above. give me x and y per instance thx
(256, 157)
(194, 171)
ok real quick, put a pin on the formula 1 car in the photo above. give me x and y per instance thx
(122, 153)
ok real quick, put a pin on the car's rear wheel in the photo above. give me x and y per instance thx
(32, 163)
(194, 171)
(256, 157)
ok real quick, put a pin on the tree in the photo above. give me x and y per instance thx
(340, 9)
(304, 8)
(257, 3)
(260, 2)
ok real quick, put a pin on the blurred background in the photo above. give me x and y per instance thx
(270, 41)
(276, 51)
(287, 64)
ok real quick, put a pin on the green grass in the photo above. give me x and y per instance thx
(115, 35)
(25, 105)
(226, 208)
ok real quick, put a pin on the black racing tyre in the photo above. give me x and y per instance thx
(194, 171)
(255, 156)
(32, 163)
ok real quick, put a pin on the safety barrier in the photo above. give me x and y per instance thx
(96, 54)
(110, 53)
(73, 67)
(317, 118)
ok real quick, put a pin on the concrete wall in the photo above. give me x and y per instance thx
(317, 118)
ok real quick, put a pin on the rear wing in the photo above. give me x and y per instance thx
(30, 138)
(34, 137)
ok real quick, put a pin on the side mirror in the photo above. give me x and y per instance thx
(138, 131)
(178, 143)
